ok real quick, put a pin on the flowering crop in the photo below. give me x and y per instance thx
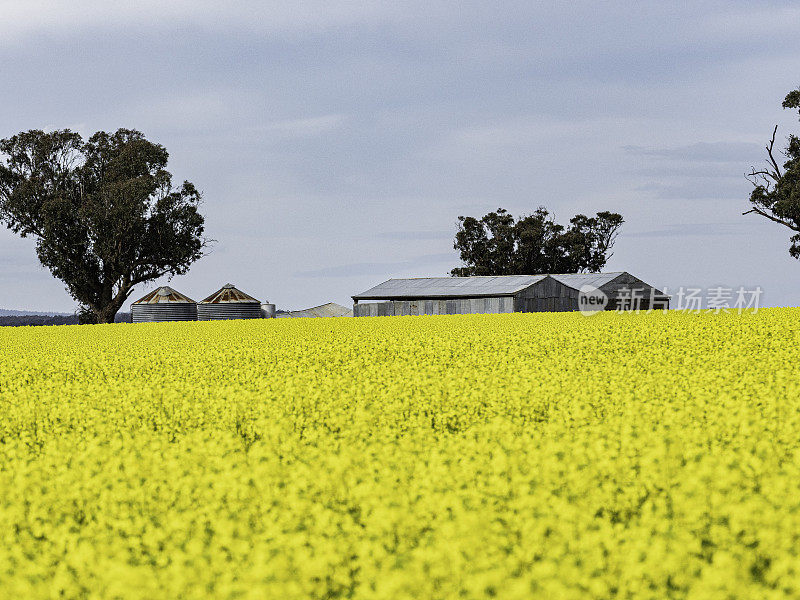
(510, 456)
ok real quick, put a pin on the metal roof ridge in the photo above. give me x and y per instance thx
(590, 274)
(318, 306)
(475, 276)
(159, 293)
(230, 288)
(517, 275)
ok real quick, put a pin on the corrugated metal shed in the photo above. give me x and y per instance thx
(476, 287)
(513, 293)
(163, 304)
(331, 309)
(450, 287)
(229, 303)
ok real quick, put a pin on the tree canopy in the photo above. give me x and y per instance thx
(776, 191)
(104, 212)
(499, 244)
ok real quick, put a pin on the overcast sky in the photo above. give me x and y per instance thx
(337, 143)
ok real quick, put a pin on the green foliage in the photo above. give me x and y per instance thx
(776, 193)
(104, 212)
(497, 244)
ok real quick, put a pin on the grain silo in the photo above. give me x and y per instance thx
(164, 304)
(229, 303)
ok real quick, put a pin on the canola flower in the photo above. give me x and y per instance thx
(472, 456)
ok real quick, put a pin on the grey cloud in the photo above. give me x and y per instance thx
(692, 229)
(693, 170)
(691, 190)
(380, 268)
(714, 152)
(417, 235)
(34, 16)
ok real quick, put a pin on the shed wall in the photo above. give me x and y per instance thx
(455, 306)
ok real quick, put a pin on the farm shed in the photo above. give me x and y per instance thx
(331, 309)
(229, 303)
(502, 294)
(163, 304)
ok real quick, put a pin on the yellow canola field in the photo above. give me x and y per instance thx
(509, 456)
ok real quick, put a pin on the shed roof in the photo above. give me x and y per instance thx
(229, 294)
(444, 287)
(164, 295)
(479, 286)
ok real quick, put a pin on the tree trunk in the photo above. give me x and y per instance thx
(106, 314)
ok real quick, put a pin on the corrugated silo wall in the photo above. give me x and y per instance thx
(547, 295)
(170, 311)
(229, 310)
(456, 306)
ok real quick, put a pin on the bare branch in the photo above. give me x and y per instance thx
(771, 157)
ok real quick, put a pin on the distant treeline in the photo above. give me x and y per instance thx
(28, 320)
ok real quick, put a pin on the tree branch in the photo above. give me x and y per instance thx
(771, 218)
(771, 157)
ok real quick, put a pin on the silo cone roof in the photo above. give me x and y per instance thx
(228, 294)
(165, 295)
